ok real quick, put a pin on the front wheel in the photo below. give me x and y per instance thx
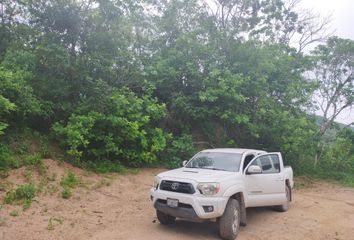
(229, 224)
(164, 218)
(285, 207)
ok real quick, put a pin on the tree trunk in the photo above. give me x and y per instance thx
(318, 155)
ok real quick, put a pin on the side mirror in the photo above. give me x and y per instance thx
(184, 163)
(254, 169)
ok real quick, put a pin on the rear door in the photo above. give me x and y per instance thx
(266, 188)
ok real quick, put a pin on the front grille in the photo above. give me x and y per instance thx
(180, 187)
(182, 205)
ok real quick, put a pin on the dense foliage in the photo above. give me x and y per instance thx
(123, 129)
(141, 82)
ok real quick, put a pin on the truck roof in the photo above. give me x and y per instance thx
(233, 150)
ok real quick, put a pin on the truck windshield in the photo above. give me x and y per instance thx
(216, 161)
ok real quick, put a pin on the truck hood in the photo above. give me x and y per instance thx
(196, 174)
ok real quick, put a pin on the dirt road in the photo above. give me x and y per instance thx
(123, 210)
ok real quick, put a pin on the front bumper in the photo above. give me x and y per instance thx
(180, 211)
(190, 205)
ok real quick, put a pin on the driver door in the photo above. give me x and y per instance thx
(265, 188)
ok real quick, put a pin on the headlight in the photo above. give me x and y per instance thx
(209, 188)
(156, 182)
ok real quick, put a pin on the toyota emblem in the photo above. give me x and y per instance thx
(175, 186)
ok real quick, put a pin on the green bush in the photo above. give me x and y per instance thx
(23, 147)
(27, 204)
(70, 181)
(32, 160)
(26, 141)
(66, 193)
(23, 194)
(16, 96)
(339, 157)
(123, 130)
(6, 158)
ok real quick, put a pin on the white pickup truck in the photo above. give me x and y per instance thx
(219, 184)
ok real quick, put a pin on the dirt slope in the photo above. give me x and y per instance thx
(123, 211)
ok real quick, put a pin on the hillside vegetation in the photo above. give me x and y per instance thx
(114, 84)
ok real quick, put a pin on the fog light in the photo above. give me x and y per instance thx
(208, 209)
(151, 198)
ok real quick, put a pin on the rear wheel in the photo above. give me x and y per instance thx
(229, 224)
(285, 207)
(164, 218)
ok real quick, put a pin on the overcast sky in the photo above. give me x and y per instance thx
(342, 12)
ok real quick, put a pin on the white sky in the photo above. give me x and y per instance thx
(342, 12)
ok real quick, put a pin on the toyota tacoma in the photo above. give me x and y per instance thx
(219, 184)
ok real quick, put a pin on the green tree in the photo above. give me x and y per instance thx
(16, 98)
(334, 74)
(115, 80)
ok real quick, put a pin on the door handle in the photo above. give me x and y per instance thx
(256, 192)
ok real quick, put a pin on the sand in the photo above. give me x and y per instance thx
(123, 210)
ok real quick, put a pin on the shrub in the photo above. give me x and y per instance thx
(123, 130)
(6, 158)
(23, 148)
(70, 181)
(339, 157)
(32, 160)
(66, 193)
(23, 194)
(27, 204)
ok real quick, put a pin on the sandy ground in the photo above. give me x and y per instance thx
(123, 210)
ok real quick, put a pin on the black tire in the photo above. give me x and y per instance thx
(285, 207)
(229, 224)
(164, 218)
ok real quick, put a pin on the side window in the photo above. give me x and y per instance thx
(247, 160)
(276, 163)
(268, 163)
(257, 162)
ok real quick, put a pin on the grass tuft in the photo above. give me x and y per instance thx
(70, 181)
(53, 222)
(23, 194)
(66, 193)
(14, 213)
(102, 183)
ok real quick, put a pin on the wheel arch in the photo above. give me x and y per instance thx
(239, 196)
(287, 183)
